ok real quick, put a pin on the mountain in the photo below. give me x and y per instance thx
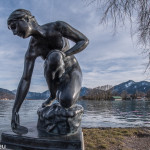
(132, 87)
(84, 91)
(35, 95)
(6, 94)
(46, 94)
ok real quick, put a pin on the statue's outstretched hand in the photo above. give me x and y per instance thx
(15, 125)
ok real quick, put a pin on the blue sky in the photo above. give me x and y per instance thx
(108, 59)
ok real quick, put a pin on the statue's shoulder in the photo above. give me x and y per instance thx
(61, 24)
(56, 24)
(54, 27)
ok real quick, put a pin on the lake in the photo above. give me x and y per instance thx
(135, 113)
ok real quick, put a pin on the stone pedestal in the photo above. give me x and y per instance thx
(39, 140)
(58, 128)
(55, 119)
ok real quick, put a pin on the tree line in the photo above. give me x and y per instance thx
(106, 92)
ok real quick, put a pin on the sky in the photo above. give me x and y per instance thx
(108, 59)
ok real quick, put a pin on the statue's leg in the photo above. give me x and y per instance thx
(53, 68)
(59, 120)
(69, 89)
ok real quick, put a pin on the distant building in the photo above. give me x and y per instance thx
(140, 98)
(116, 98)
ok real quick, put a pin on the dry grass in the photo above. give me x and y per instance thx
(110, 138)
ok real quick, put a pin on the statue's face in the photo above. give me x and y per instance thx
(21, 28)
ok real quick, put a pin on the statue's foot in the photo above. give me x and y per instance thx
(47, 102)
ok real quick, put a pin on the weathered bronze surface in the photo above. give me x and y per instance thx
(61, 70)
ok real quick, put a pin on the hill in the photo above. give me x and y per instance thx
(6, 94)
(132, 87)
(46, 94)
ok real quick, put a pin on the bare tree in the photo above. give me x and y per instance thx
(120, 10)
(138, 13)
(124, 95)
(148, 94)
(100, 93)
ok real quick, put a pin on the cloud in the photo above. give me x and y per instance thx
(107, 60)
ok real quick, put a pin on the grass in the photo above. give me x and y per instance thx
(107, 138)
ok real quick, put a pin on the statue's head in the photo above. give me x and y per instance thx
(21, 22)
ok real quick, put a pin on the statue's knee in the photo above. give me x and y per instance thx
(66, 100)
(55, 58)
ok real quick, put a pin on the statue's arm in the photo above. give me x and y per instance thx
(74, 35)
(24, 84)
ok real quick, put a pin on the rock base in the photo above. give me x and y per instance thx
(56, 120)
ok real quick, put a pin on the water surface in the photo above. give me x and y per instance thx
(134, 113)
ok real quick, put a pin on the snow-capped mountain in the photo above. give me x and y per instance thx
(131, 87)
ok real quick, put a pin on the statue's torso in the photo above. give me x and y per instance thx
(41, 46)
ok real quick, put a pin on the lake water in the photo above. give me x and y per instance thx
(135, 113)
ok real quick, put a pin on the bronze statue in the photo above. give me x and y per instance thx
(61, 70)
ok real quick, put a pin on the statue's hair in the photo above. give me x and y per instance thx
(20, 14)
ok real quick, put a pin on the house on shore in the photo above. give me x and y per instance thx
(116, 98)
(141, 98)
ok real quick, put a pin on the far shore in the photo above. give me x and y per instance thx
(85, 99)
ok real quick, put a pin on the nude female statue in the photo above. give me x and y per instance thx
(50, 41)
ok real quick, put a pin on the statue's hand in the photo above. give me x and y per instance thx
(15, 125)
(15, 120)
